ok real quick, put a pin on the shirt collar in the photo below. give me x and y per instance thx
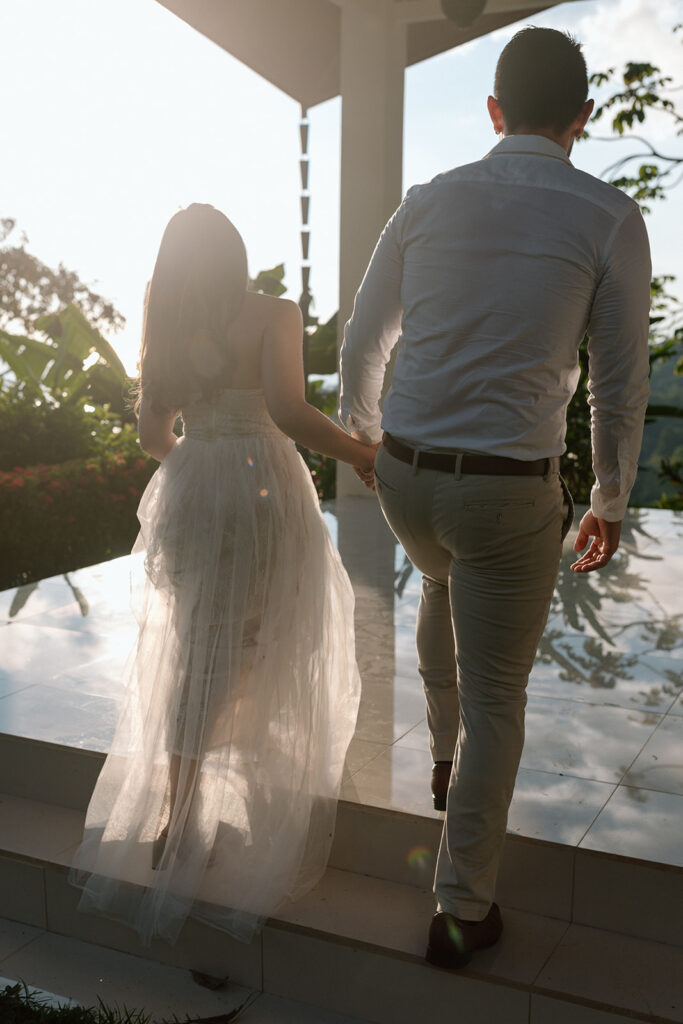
(537, 145)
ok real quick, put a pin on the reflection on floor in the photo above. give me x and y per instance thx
(603, 761)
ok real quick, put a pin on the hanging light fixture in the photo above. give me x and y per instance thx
(463, 12)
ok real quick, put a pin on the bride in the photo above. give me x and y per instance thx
(218, 797)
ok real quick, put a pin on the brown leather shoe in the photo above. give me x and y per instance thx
(452, 940)
(441, 776)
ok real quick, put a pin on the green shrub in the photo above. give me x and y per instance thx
(54, 519)
(33, 432)
(323, 470)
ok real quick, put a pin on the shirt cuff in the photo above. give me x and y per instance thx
(367, 433)
(612, 510)
(614, 481)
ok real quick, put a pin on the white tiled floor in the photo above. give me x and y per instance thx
(603, 762)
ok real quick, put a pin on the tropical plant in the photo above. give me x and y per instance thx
(74, 363)
(269, 282)
(321, 348)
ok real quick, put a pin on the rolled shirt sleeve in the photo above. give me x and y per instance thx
(619, 366)
(369, 337)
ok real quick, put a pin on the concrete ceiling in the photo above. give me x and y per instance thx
(294, 44)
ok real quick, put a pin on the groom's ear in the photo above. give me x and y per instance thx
(582, 119)
(496, 115)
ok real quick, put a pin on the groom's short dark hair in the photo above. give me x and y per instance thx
(541, 80)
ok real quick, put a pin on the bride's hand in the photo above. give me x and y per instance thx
(365, 470)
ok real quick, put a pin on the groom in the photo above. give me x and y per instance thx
(487, 278)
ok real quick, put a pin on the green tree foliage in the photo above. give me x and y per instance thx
(52, 350)
(644, 90)
(29, 289)
(646, 174)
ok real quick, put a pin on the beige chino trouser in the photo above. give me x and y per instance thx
(489, 550)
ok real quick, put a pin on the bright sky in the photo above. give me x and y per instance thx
(117, 113)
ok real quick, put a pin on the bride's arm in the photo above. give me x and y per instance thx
(155, 430)
(282, 372)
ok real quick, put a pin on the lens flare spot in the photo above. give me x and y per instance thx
(419, 857)
(263, 492)
(455, 935)
(250, 461)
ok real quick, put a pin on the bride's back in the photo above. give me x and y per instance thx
(236, 362)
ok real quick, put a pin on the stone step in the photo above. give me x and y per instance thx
(568, 883)
(91, 973)
(355, 945)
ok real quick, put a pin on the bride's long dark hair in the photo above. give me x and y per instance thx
(197, 289)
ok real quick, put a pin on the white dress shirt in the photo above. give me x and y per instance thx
(488, 277)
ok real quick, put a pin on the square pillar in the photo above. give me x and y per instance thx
(372, 62)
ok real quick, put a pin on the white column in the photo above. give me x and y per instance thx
(372, 59)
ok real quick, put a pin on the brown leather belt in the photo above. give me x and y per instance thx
(495, 465)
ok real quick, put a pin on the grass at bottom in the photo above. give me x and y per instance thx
(19, 1006)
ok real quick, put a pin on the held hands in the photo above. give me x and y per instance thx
(365, 471)
(605, 542)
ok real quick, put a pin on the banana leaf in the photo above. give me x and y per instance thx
(26, 367)
(270, 282)
(104, 386)
(78, 339)
(322, 348)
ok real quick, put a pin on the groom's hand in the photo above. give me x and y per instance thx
(605, 542)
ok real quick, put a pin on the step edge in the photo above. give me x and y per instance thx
(282, 924)
(408, 818)
(610, 1008)
(336, 939)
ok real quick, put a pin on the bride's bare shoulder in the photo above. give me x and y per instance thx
(269, 310)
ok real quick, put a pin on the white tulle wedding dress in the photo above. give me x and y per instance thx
(244, 682)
